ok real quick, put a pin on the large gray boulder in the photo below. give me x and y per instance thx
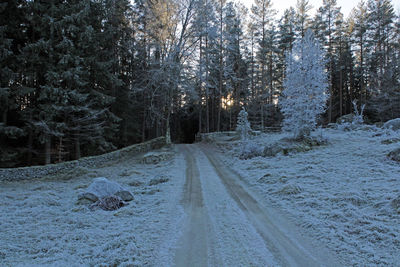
(101, 188)
(392, 124)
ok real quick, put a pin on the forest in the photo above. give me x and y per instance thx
(83, 77)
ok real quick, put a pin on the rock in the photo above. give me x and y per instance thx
(395, 155)
(266, 179)
(272, 150)
(332, 126)
(136, 183)
(158, 180)
(108, 203)
(390, 141)
(100, 188)
(286, 146)
(156, 157)
(290, 190)
(392, 124)
(345, 119)
(396, 204)
(124, 195)
(87, 198)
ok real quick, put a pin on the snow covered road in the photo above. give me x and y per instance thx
(227, 226)
(193, 251)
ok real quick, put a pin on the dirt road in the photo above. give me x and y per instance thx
(226, 225)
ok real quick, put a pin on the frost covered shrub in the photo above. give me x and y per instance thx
(358, 115)
(305, 93)
(243, 125)
(250, 150)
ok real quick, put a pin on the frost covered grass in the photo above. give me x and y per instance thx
(42, 225)
(342, 193)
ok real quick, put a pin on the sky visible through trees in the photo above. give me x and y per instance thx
(84, 77)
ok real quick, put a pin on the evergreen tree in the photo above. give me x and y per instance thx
(326, 22)
(303, 20)
(235, 71)
(262, 19)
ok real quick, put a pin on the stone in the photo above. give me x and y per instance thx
(156, 157)
(332, 126)
(272, 150)
(390, 141)
(396, 204)
(87, 197)
(100, 188)
(392, 124)
(345, 119)
(125, 195)
(395, 155)
(108, 203)
(287, 146)
(290, 190)
(158, 180)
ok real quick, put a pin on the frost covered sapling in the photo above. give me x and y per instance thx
(358, 115)
(243, 125)
(248, 149)
(305, 87)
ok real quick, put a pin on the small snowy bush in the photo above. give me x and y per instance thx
(305, 93)
(243, 125)
(250, 150)
(358, 115)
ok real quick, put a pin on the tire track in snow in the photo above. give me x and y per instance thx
(193, 244)
(288, 250)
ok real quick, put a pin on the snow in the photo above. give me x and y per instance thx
(235, 239)
(339, 193)
(42, 225)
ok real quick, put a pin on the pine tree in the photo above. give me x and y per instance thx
(11, 129)
(358, 29)
(235, 71)
(305, 94)
(326, 22)
(302, 17)
(380, 34)
(286, 38)
(262, 19)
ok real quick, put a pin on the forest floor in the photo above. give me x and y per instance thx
(330, 206)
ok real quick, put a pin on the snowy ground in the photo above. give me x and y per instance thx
(42, 225)
(339, 193)
(329, 206)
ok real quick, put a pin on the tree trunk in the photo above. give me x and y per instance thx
(201, 83)
(220, 71)
(262, 116)
(77, 148)
(168, 131)
(4, 120)
(341, 92)
(47, 150)
(207, 93)
(4, 115)
(30, 141)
